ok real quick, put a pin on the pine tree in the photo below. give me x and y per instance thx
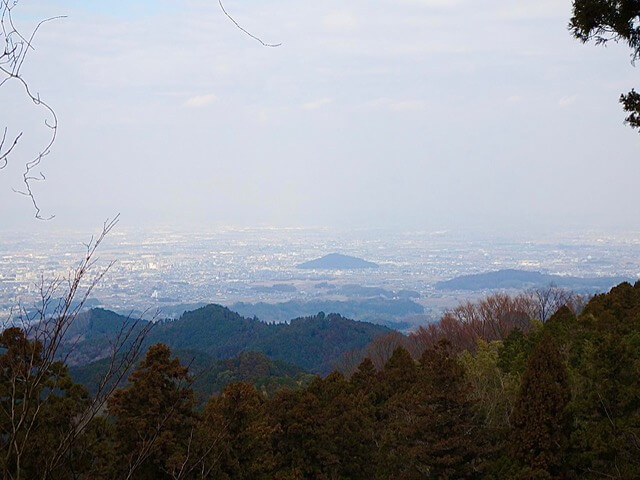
(399, 373)
(459, 443)
(394, 409)
(325, 431)
(364, 378)
(607, 408)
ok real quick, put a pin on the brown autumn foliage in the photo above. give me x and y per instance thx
(491, 318)
(494, 317)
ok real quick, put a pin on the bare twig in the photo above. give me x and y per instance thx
(12, 58)
(259, 40)
(34, 378)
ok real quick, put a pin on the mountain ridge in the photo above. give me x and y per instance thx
(312, 343)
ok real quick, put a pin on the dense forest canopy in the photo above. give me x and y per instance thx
(553, 399)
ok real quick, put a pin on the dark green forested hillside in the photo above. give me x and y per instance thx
(312, 343)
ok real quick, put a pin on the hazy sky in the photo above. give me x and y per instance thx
(407, 113)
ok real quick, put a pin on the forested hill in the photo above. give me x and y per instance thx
(313, 343)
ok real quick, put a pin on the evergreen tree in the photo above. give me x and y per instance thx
(607, 408)
(399, 374)
(153, 418)
(234, 435)
(365, 377)
(325, 431)
(540, 423)
(294, 417)
(431, 430)
(347, 428)
(39, 404)
(606, 20)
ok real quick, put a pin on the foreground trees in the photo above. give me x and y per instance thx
(559, 401)
(603, 21)
(154, 418)
(38, 407)
(540, 421)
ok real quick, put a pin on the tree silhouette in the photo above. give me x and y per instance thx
(603, 21)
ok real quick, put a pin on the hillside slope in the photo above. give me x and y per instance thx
(312, 343)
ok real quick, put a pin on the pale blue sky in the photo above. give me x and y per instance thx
(408, 113)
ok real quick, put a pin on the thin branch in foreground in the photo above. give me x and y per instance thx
(14, 47)
(264, 44)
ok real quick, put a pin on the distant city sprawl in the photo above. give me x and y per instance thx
(255, 270)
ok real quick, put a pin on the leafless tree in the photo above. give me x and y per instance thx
(16, 46)
(31, 376)
(549, 299)
(491, 318)
(495, 316)
(242, 29)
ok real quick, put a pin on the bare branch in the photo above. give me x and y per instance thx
(259, 40)
(35, 373)
(12, 58)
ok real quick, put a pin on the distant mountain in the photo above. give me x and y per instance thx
(522, 279)
(313, 343)
(337, 261)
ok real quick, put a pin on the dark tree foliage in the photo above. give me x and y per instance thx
(631, 104)
(605, 20)
(38, 404)
(311, 343)
(540, 421)
(458, 443)
(399, 373)
(514, 351)
(365, 378)
(431, 428)
(606, 407)
(323, 432)
(153, 417)
(234, 435)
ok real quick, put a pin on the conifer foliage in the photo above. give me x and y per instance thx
(153, 417)
(540, 421)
